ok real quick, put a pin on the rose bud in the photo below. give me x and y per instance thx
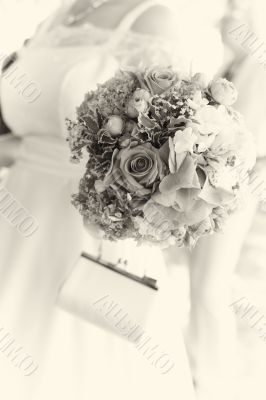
(138, 103)
(131, 127)
(115, 125)
(223, 91)
(124, 141)
(201, 80)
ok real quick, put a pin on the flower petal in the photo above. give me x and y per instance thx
(166, 200)
(184, 141)
(186, 177)
(164, 151)
(185, 198)
(197, 213)
(215, 196)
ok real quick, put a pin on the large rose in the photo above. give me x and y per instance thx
(158, 79)
(137, 169)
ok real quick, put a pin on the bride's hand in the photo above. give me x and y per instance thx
(9, 148)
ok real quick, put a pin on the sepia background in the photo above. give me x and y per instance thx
(234, 59)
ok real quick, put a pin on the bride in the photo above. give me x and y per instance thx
(73, 50)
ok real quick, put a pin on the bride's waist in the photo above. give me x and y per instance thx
(48, 154)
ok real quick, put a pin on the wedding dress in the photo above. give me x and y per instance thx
(250, 278)
(250, 76)
(75, 359)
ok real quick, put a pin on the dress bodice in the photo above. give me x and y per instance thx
(66, 62)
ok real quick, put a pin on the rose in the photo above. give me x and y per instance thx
(158, 80)
(139, 103)
(223, 91)
(137, 169)
(200, 80)
(115, 125)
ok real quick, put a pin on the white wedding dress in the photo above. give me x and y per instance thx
(76, 359)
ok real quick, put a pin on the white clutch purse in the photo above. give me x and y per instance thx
(107, 295)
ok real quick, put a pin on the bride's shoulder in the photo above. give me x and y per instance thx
(158, 20)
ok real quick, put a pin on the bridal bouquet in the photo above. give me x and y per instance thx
(167, 156)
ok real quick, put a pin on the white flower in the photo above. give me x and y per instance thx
(219, 185)
(210, 120)
(223, 177)
(184, 140)
(182, 143)
(99, 186)
(202, 146)
(197, 101)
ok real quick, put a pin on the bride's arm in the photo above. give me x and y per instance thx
(9, 147)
